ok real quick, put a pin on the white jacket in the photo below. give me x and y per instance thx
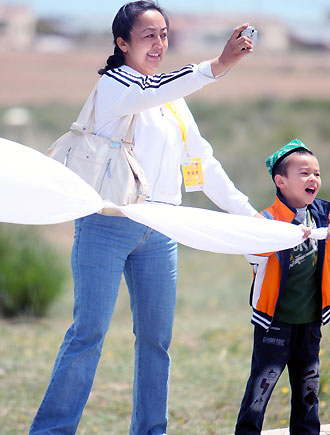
(159, 146)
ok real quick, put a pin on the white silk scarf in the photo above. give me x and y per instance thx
(35, 189)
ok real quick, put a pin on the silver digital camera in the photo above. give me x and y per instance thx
(251, 33)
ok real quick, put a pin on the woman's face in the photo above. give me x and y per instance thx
(148, 43)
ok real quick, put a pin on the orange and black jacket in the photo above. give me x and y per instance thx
(270, 271)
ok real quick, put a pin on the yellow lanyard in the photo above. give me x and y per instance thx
(191, 170)
(183, 129)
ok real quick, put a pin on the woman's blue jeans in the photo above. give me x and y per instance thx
(103, 249)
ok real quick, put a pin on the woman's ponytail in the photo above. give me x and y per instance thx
(113, 61)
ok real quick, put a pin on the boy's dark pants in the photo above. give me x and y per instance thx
(296, 346)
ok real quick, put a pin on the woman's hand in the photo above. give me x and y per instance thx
(328, 235)
(235, 48)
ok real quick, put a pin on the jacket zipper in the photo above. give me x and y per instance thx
(160, 162)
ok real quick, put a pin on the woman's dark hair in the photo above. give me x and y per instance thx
(122, 26)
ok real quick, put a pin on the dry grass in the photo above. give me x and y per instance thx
(212, 336)
(34, 78)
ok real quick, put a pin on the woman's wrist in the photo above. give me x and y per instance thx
(218, 68)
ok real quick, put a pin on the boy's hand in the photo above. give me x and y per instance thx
(306, 230)
(328, 235)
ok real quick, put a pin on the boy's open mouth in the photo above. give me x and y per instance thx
(310, 190)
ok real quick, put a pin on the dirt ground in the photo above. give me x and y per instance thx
(37, 78)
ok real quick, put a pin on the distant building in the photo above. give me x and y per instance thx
(17, 27)
(189, 33)
(197, 33)
(312, 37)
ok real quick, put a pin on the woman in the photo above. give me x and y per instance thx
(105, 247)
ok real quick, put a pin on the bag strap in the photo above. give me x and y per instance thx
(125, 133)
(86, 119)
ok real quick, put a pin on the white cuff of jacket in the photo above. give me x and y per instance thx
(206, 70)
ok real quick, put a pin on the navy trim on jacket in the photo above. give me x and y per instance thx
(145, 82)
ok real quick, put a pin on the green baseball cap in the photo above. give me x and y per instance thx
(291, 147)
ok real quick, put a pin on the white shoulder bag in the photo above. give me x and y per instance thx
(108, 165)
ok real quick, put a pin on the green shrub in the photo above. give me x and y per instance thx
(31, 272)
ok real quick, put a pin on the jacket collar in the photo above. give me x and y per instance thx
(319, 207)
(131, 71)
(284, 212)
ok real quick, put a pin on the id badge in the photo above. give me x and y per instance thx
(193, 175)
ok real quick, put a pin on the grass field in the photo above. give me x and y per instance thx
(243, 135)
(212, 335)
(210, 357)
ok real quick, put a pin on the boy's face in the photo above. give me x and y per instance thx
(303, 180)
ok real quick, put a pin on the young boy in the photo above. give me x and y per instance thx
(290, 297)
